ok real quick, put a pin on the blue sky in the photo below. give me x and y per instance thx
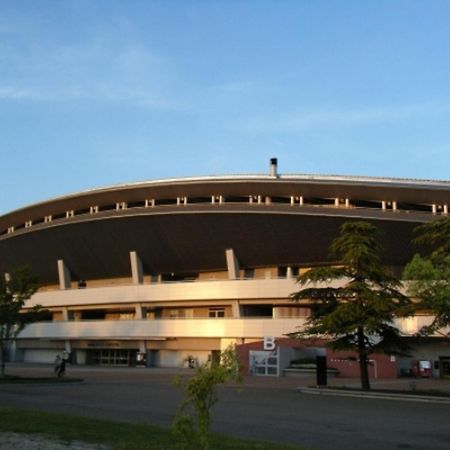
(94, 92)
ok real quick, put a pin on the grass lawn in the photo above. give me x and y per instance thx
(117, 435)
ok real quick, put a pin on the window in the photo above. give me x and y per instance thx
(181, 313)
(216, 312)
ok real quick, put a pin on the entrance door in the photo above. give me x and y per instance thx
(153, 358)
(215, 357)
(264, 363)
(112, 357)
(444, 363)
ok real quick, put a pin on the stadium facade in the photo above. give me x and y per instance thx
(167, 271)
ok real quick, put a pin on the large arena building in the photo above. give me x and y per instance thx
(167, 271)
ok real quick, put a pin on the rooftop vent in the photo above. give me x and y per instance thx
(273, 167)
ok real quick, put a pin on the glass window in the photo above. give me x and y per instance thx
(216, 312)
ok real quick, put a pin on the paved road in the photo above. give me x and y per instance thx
(270, 413)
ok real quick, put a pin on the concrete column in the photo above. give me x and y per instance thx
(336, 202)
(232, 264)
(142, 347)
(434, 208)
(300, 200)
(383, 205)
(139, 312)
(289, 273)
(276, 312)
(236, 309)
(137, 271)
(347, 203)
(65, 314)
(394, 206)
(63, 275)
(445, 210)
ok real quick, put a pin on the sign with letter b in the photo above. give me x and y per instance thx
(269, 343)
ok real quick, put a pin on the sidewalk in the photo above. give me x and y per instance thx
(145, 374)
(400, 384)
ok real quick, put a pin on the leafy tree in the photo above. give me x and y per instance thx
(193, 416)
(15, 289)
(355, 303)
(429, 275)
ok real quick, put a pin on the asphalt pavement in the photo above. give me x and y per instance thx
(271, 409)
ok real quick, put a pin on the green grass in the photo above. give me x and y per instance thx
(14, 379)
(116, 435)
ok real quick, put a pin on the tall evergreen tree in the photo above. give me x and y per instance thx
(354, 304)
(15, 289)
(429, 275)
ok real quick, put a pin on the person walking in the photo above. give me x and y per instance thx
(62, 368)
(57, 364)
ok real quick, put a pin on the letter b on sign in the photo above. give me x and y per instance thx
(269, 343)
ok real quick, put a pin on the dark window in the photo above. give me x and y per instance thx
(257, 310)
(93, 314)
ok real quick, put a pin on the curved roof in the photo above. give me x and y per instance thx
(185, 225)
(410, 191)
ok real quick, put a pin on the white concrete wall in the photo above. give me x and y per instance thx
(142, 329)
(40, 355)
(176, 291)
(202, 328)
(258, 289)
(177, 358)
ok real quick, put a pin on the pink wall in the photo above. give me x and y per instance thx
(381, 366)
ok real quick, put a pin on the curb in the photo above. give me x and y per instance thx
(377, 395)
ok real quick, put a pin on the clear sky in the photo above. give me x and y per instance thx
(99, 92)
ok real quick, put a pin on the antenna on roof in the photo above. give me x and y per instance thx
(273, 167)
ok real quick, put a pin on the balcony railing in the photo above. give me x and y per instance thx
(187, 328)
(163, 328)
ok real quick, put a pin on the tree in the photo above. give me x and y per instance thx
(429, 275)
(15, 289)
(193, 416)
(355, 303)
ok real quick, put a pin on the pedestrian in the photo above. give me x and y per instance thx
(61, 368)
(57, 363)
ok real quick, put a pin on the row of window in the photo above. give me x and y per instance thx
(214, 312)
